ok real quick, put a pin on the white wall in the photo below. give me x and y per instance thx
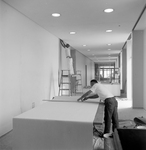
(144, 67)
(29, 58)
(90, 71)
(80, 65)
(137, 65)
(124, 71)
(129, 69)
(81, 61)
(64, 65)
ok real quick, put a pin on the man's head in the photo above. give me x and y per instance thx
(92, 82)
(67, 45)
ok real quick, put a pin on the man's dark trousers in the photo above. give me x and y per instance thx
(111, 114)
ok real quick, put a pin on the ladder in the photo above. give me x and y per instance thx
(79, 87)
(65, 83)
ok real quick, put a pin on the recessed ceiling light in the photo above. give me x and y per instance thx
(84, 45)
(108, 10)
(109, 44)
(73, 32)
(109, 49)
(108, 30)
(56, 15)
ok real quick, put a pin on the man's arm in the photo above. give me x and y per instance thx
(93, 96)
(83, 97)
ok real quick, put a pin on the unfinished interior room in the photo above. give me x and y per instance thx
(72, 74)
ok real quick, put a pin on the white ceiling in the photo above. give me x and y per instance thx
(88, 20)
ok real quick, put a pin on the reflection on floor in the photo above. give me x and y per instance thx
(125, 113)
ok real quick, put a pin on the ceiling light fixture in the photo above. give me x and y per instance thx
(56, 15)
(108, 10)
(72, 32)
(109, 44)
(109, 49)
(108, 30)
(84, 45)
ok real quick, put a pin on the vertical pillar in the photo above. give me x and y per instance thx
(144, 68)
(129, 69)
(124, 72)
(138, 69)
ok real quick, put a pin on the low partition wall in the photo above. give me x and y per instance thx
(56, 124)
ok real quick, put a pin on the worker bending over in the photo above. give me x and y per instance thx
(111, 104)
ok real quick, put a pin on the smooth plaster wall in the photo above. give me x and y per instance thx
(129, 69)
(81, 61)
(90, 70)
(29, 58)
(138, 69)
(144, 84)
(124, 70)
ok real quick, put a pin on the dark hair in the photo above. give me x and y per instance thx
(67, 45)
(94, 80)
